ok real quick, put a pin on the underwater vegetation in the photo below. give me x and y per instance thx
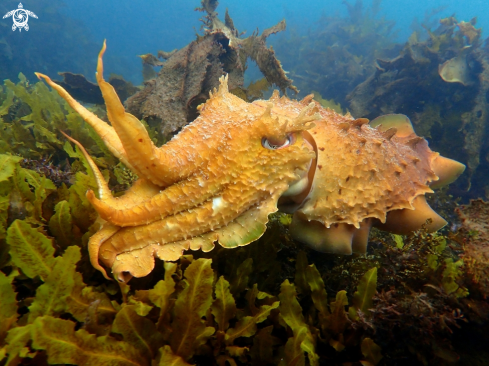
(338, 53)
(414, 299)
(263, 304)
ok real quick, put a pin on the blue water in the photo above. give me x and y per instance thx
(138, 27)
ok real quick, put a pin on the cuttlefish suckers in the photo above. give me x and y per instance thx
(218, 180)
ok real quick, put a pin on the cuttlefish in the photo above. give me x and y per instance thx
(217, 180)
(224, 173)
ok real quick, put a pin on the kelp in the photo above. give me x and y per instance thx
(339, 52)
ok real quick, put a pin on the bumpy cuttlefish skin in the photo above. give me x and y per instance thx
(366, 174)
(217, 180)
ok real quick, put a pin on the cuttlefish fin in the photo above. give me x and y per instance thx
(104, 130)
(335, 239)
(446, 169)
(339, 238)
(407, 220)
(140, 150)
(400, 122)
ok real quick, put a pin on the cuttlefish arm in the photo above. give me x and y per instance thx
(141, 151)
(127, 138)
(178, 197)
(103, 129)
(144, 202)
(140, 192)
(227, 220)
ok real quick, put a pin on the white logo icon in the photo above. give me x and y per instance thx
(20, 17)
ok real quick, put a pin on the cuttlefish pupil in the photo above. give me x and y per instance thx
(277, 143)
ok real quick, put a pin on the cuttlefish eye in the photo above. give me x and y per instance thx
(275, 144)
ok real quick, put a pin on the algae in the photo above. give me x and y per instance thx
(339, 52)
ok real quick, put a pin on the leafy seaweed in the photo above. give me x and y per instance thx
(302, 340)
(191, 305)
(31, 250)
(64, 345)
(202, 308)
(362, 298)
(8, 303)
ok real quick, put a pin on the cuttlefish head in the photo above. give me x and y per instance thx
(215, 182)
(367, 174)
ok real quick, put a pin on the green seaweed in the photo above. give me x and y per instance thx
(203, 308)
(362, 298)
(338, 53)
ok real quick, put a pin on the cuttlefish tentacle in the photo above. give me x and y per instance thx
(122, 251)
(127, 133)
(96, 240)
(243, 230)
(103, 188)
(139, 148)
(141, 191)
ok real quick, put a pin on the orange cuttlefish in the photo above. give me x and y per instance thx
(224, 173)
